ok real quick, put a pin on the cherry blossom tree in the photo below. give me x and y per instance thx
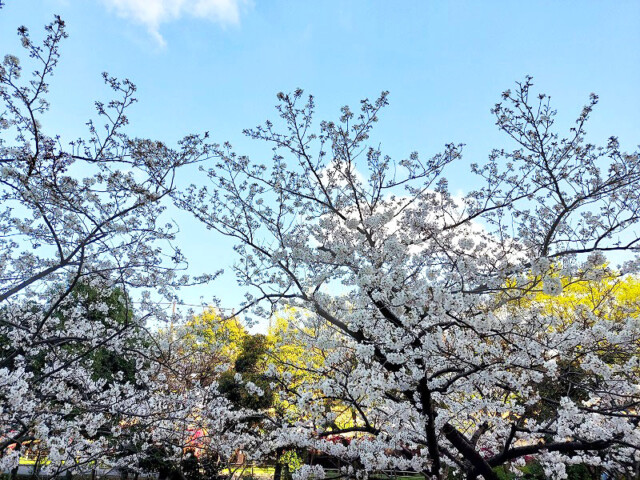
(80, 235)
(444, 366)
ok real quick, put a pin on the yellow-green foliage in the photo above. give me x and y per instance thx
(202, 348)
(211, 333)
(300, 362)
(293, 356)
(608, 297)
(293, 345)
(603, 301)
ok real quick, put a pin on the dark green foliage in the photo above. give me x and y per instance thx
(156, 459)
(206, 466)
(251, 358)
(190, 467)
(534, 471)
(87, 299)
(251, 365)
(106, 364)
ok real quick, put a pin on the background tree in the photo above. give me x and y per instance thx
(296, 362)
(205, 346)
(247, 384)
(213, 358)
(605, 301)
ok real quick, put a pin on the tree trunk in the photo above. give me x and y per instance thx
(428, 410)
(478, 464)
(277, 473)
(36, 467)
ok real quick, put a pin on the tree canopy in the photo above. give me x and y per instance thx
(450, 335)
(432, 346)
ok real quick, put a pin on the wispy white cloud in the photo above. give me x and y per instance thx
(153, 13)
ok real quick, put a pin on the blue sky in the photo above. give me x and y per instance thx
(216, 65)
